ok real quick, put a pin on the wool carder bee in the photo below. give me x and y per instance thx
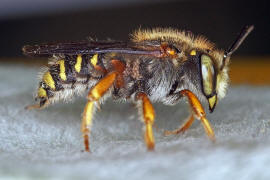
(155, 65)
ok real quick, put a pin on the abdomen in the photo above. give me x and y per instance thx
(67, 76)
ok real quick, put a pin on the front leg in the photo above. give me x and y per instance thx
(198, 112)
(183, 128)
(148, 116)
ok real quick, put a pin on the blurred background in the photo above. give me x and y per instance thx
(30, 22)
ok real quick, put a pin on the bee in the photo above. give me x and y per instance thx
(155, 65)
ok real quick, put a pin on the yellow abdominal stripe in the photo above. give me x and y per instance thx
(78, 63)
(42, 92)
(94, 60)
(62, 72)
(47, 78)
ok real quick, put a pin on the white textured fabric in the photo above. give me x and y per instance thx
(47, 143)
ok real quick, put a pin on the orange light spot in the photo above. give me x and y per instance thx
(171, 51)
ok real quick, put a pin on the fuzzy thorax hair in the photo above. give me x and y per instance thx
(187, 41)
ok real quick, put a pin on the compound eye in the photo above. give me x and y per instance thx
(208, 73)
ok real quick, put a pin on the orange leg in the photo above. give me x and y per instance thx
(199, 113)
(183, 128)
(148, 118)
(34, 106)
(37, 106)
(93, 96)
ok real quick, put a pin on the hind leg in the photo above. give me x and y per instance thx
(43, 103)
(93, 97)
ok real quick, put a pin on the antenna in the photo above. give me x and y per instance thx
(241, 37)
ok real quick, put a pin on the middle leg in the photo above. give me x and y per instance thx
(148, 114)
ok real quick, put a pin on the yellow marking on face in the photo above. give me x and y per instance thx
(62, 72)
(78, 64)
(42, 92)
(47, 78)
(94, 60)
(193, 53)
